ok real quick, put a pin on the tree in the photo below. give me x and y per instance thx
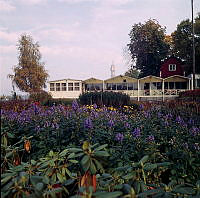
(148, 47)
(182, 41)
(132, 73)
(29, 75)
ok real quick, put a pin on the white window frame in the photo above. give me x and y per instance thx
(52, 86)
(77, 86)
(58, 88)
(64, 87)
(172, 67)
(70, 85)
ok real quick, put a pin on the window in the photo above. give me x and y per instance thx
(114, 86)
(130, 86)
(124, 86)
(119, 86)
(64, 87)
(52, 88)
(77, 86)
(70, 86)
(57, 86)
(172, 67)
(108, 86)
(171, 85)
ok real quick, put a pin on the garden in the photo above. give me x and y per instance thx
(140, 150)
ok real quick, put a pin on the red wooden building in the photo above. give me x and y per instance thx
(171, 66)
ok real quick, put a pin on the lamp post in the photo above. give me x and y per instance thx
(193, 47)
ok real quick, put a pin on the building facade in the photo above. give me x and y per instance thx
(168, 85)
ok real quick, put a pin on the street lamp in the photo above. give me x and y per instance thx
(193, 46)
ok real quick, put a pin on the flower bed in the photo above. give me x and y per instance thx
(140, 150)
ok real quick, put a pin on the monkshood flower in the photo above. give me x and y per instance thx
(136, 132)
(141, 107)
(185, 145)
(37, 128)
(146, 114)
(191, 121)
(119, 137)
(75, 105)
(95, 106)
(127, 125)
(55, 125)
(194, 131)
(179, 120)
(150, 138)
(88, 123)
(111, 123)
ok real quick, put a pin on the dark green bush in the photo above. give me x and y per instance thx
(104, 98)
(41, 96)
(58, 101)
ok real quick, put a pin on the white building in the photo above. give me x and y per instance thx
(66, 88)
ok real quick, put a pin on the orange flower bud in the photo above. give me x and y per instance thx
(27, 146)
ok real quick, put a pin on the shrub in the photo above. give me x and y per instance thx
(190, 95)
(58, 101)
(104, 98)
(41, 96)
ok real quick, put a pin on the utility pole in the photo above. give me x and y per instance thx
(193, 46)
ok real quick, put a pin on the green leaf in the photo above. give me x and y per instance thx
(184, 190)
(98, 165)
(107, 194)
(6, 179)
(149, 166)
(63, 153)
(101, 153)
(144, 159)
(60, 177)
(72, 155)
(75, 150)
(129, 175)
(101, 147)
(92, 168)
(85, 159)
(39, 186)
(73, 161)
(68, 172)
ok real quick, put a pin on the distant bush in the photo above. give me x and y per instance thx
(190, 95)
(41, 96)
(104, 98)
(58, 101)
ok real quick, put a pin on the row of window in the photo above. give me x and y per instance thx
(63, 86)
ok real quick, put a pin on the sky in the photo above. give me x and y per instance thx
(80, 39)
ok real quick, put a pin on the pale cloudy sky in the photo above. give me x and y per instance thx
(79, 39)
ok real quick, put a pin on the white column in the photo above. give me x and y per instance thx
(138, 90)
(163, 91)
(150, 88)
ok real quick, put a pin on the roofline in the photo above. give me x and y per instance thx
(176, 76)
(121, 76)
(150, 76)
(64, 79)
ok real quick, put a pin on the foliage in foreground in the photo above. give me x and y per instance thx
(151, 151)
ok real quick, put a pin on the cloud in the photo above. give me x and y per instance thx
(9, 36)
(8, 49)
(77, 1)
(32, 2)
(6, 6)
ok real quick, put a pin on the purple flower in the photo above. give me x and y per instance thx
(75, 105)
(136, 132)
(194, 131)
(119, 137)
(191, 121)
(111, 123)
(150, 138)
(127, 125)
(141, 106)
(179, 120)
(88, 123)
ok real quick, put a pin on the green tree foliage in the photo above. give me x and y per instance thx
(134, 73)
(182, 41)
(148, 47)
(29, 75)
